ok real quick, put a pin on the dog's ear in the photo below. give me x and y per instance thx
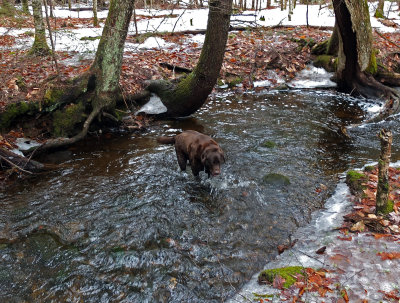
(223, 156)
(203, 158)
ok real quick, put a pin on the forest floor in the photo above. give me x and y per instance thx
(263, 54)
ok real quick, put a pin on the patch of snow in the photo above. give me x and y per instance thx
(154, 42)
(263, 83)
(153, 107)
(199, 38)
(24, 144)
(190, 19)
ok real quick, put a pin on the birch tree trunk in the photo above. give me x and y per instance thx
(383, 205)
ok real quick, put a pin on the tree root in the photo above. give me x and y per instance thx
(61, 142)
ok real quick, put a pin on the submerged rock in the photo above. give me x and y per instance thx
(276, 179)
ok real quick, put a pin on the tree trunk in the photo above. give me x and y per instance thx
(99, 88)
(39, 46)
(333, 44)
(379, 9)
(25, 7)
(356, 58)
(95, 20)
(188, 95)
(383, 206)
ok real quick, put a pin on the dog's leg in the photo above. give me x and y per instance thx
(182, 160)
(196, 167)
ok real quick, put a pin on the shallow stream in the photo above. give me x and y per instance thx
(118, 222)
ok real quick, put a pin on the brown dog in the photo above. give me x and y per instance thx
(202, 152)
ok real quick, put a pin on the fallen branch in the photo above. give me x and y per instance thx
(19, 162)
(387, 39)
(176, 68)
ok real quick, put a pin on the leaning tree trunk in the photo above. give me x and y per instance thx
(188, 95)
(356, 58)
(99, 87)
(40, 46)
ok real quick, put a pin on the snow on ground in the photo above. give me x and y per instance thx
(355, 261)
(185, 19)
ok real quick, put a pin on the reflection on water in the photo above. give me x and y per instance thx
(119, 222)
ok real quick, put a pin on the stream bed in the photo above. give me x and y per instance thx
(119, 222)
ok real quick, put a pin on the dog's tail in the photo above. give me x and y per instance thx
(166, 140)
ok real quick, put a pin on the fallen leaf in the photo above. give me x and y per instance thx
(359, 226)
(278, 282)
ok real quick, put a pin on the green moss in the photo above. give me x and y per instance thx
(276, 179)
(90, 38)
(379, 14)
(30, 33)
(286, 273)
(65, 121)
(325, 61)
(3, 246)
(373, 66)
(353, 176)
(354, 180)
(269, 144)
(52, 96)
(233, 82)
(320, 48)
(14, 111)
(388, 208)
(369, 168)
(262, 296)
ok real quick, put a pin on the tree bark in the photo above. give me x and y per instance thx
(356, 58)
(25, 7)
(39, 46)
(382, 195)
(95, 20)
(100, 86)
(379, 9)
(188, 95)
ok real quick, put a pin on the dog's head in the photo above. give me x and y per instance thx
(212, 159)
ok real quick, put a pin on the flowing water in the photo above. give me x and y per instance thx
(118, 222)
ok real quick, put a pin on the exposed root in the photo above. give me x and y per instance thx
(61, 142)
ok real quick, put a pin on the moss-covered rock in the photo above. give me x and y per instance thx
(325, 61)
(268, 144)
(65, 120)
(287, 273)
(354, 180)
(12, 111)
(276, 179)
